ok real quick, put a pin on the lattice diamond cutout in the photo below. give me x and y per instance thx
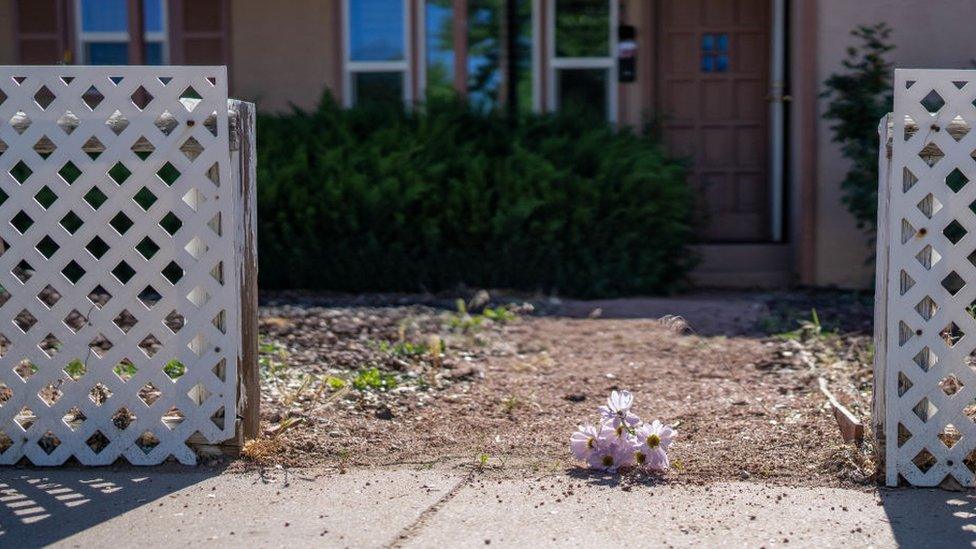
(954, 232)
(956, 180)
(114, 241)
(93, 98)
(952, 334)
(933, 102)
(959, 128)
(931, 154)
(953, 283)
(950, 385)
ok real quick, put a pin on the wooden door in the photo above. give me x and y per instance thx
(712, 84)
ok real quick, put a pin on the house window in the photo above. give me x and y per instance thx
(715, 52)
(103, 32)
(439, 44)
(581, 44)
(377, 51)
(499, 54)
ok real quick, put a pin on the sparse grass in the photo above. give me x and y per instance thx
(404, 349)
(464, 321)
(808, 330)
(510, 404)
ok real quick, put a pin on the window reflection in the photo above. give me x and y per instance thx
(440, 49)
(104, 32)
(500, 72)
(376, 30)
(582, 28)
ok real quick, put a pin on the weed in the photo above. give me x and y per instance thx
(483, 460)
(510, 403)
(373, 379)
(464, 321)
(809, 329)
(403, 349)
(335, 383)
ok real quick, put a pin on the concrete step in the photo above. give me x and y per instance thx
(767, 266)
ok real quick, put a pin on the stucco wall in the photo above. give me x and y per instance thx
(929, 34)
(284, 52)
(7, 32)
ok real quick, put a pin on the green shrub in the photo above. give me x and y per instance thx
(858, 98)
(377, 199)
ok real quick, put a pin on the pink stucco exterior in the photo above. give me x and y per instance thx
(928, 34)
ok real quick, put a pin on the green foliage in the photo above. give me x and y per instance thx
(174, 369)
(374, 379)
(858, 99)
(403, 349)
(377, 199)
(75, 369)
(335, 383)
(808, 329)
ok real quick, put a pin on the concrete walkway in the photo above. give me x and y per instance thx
(449, 507)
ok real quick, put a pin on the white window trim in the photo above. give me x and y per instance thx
(608, 62)
(350, 67)
(82, 37)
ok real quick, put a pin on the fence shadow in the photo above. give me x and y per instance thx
(931, 517)
(39, 507)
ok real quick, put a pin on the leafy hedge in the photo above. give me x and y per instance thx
(376, 199)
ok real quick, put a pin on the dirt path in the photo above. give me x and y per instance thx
(512, 393)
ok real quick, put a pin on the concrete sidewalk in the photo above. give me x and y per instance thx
(449, 507)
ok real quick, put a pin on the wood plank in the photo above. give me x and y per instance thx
(246, 191)
(881, 295)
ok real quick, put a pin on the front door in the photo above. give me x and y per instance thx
(712, 84)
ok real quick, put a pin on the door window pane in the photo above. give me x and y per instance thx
(376, 30)
(154, 53)
(153, 15)
(440, 49)
(104, 16)
(107, 53)
(583, 91)
(378, 87)
(582, 28)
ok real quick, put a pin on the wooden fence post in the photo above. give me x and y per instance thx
(249, 381)
(881, 289)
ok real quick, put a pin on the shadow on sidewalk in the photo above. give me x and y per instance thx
(922, 517)
(39, 507)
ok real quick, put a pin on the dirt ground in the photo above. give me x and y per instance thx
(377, 381)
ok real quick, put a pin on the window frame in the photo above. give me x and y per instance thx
(554, 63)
(350, 67)
(83, 37)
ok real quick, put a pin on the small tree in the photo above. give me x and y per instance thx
(858, 99)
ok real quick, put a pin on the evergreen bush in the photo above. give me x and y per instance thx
(379, 199)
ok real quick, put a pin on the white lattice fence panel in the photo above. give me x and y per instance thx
(929, 378)
(120, 310)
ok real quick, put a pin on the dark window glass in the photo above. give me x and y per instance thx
(440, 49)
(582, 28)
(376, 30)
(107, 53)
(583, 91)
(715, 52)
(378, 87)
(154, 53)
